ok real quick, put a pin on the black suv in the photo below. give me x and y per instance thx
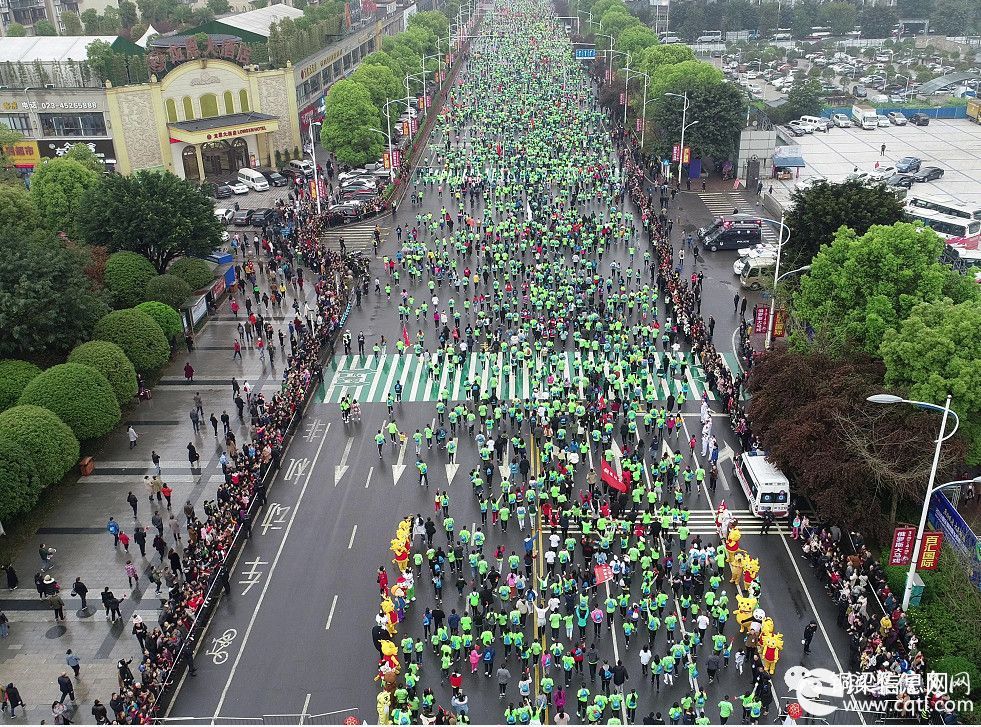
(919, 119)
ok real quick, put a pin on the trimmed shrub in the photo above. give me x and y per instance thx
(193, 271)
(14, 376)
(140, 337)
(168, 289)
(48, 442)
(19, 484)
(166, 317)
(126, 278)
(80, 396)
(110, 361)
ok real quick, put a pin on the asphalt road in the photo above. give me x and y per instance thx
(294, 636)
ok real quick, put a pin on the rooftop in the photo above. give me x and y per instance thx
(259, 21)
(50, 48)
(217, 122)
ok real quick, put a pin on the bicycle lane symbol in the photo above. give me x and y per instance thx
(219, 647)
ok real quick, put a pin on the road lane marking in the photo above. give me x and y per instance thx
(354, 532)
(306, 706)
(330, 616)
(368, 479)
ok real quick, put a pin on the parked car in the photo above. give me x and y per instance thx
(263, 216)
(883, 172)
(224, 214)
(274, 178)
(842, 121)
(884, 120)
(860, 91)
(928, 174)
(348, 211)
(919, 119)
(897, 118)
(237, 187)
(908, 165)
(794, 128)
(801, 126)
(222, 191)
(904, 181)
(242, 218)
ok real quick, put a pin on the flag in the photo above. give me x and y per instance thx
(604, 573)
(611, 478)
(405, 335)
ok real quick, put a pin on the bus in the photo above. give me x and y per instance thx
(945, 225)
(944, 205)
(819, 32)
(767, 488)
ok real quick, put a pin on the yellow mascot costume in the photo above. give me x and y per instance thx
(770, 653)
(736, 564)
(744, 613)
(751, 569)
(732, 543)
(382, 704)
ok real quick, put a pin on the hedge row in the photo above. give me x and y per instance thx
(131, 279)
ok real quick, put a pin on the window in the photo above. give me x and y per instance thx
(93, 124)
(17, 122)
(188, 109)
(229, 106)
(243, 100)
(209, 106)
(171, 111)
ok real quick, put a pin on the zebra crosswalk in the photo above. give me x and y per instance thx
(702, 522)
(357, 238)
(369, 379)
(723, 203)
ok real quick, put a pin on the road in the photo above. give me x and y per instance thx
(293, 642)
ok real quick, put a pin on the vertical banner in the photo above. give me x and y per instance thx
(396, 158)
(901, 552)
(640, 125)
(930, 550)
(761, 319)
(420, 103)
(406, 128)
(321, 188)
(386, 159)
(676, 153)
(609, 75)
(686, 155)
(429, 101)
(313, 190)
(779, 323)
(623, 98)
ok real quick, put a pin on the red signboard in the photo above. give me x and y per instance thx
(611, 478)
(623, 98)
(761, 319)
(676, 153)
(901, 551)
(415, 125)
(604, 573)
(930, 550)
(640, 124)
(608, 75)
(779, 323)
(429, 101)
(396, 158)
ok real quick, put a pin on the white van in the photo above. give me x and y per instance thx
(821, 123)
(757, 272)
(303, 166)
(253, 179)
(765, 486)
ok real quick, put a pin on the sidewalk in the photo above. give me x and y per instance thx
(33, 655)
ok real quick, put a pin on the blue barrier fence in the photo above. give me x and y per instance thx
(936, 112)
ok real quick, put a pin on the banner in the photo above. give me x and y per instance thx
(386, 160)
(396, 158)
(761, 319)
(313, 189)
(676, 153)
(611, 478)
(779, 322)
(420, 103)
(930, 550)
(623, 98)
(604, 573)
(959, 535)
(429, 101)
(640, 124)
(406, 128)
(322, 185)
(686, 155)
(901, 552)
(609, 75)
(415, 125)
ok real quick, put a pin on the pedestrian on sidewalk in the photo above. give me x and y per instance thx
(195, 420)
(133, 502)
(214, 424)
(82, 591)
(124, 540)
(188, 372)
(132, 577)
(199, 403)
(155, 458)
(4, 625)
(808, 635)
(139, 535)
(66, 687)
(133, 436)
(167, 492)
(226, 422)
(12, 695)
(192, 455)
(12, 579)
(55, 601)
(46, 555)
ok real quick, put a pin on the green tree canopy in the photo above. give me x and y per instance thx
(878, 20)
(16, 30)
(139, 335)
(348, 119)
(616, 20)
(110, 361)
(432, 20)
(635, 39)
(57, 187)
(158, 215)
(17, 209)
(44, 27)
(166, 317)
(83, 154)
(168, 289)
(860, 286)
(840, 16)
(19, 483)
(195, 272)
(381, 58)
(382, 85)
(126, 277)
(47, 441)
(14, 376)
(80, 396)
(936, 351)
(817, 212)
(47, 304)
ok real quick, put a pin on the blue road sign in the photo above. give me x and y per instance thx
(585, 54)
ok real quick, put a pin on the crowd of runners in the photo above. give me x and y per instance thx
(518, 267)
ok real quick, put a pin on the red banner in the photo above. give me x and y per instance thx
(396, 158)
(608, 75)
(406, 128)
(676, 153)
(640, 124)
(429, 100)
(623, 98)
(930, 550)
(611, 478)
(779, 323)
(901, 551)
(604, 573)
(761, 320)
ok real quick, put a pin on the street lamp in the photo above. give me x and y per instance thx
(684, 127)
(610, 36)
(313, 158)
(643, 113)
(942, 437)
(388, 122)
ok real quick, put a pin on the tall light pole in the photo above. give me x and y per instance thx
(684, 127)
(942, 437)
(643, 113)
(776, 276)
(313, 157)
(388, 122)
(610, 36)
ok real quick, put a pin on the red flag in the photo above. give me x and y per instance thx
(405, 335)
(611, 478)
(604, 573)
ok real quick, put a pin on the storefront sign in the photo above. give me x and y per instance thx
(218, 288)
(245, 131)
(54, 148)
(761, 319)
(901, 552)
(162, 57)
(320, 65)
(22, 154)
(40, 104)
(930, 550)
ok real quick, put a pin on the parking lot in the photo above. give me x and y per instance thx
(954, 145)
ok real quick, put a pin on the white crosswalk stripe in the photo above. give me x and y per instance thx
(723, 203)
(702, 522)
(357, 238)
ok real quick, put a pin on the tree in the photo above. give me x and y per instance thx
(860, 286)
(19, 484)
(80, 396)
(615, 20)
(381, 58)
(110, 361)
(140, 337)
(16, 30)
(57, 187)
(47, 441)
(44, 27)
(434, 21)
(381, 84)
(955, 17)
(129, 14)
(156, 214)
(804, 99)
(657, 56)
(937, 350)
(840, 16)
(817, 212)
(166, 317)
(73, 24)
(348, 119)
(878, 20)
(83, 154)
(126, 278)
(47, 304)
(219, 7)
(168, 289)
(689, 19)
(195, 272)
(17, 209)
(809, 432)
(635, 39)
(14, 376)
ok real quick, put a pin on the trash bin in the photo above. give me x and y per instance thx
(87, 466)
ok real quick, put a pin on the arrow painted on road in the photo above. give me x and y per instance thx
(451, 470)
(340, 469)
(725, 453)
(398, 469)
